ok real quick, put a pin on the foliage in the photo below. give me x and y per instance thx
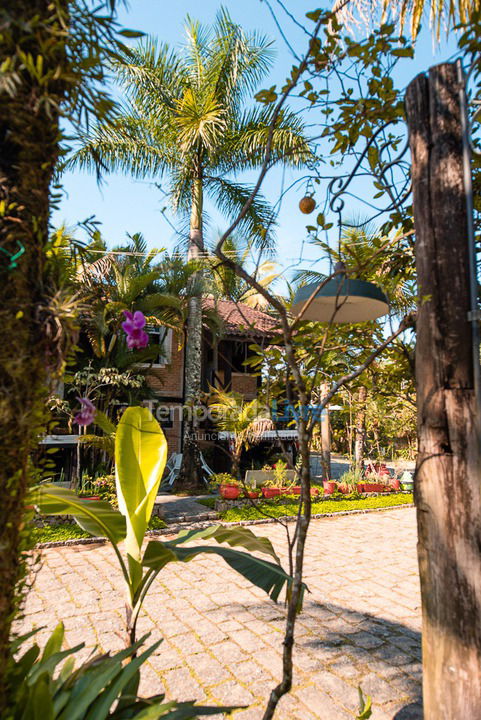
(351, 478)
(140, 451)
(104, 487)
(58, 533)
(48, 685)
(276, 508)
(222, 479)
(244, 419)
(365, 706)
(184, 115)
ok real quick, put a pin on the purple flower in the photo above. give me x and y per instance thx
(87, 412)
(133, 327)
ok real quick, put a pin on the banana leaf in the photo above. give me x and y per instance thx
(266, 575)
(140, 458)
(232, 536)
(95, 517)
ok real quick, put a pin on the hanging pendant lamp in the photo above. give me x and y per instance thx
(341, 300)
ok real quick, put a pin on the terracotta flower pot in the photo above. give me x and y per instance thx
(270, 492)
(374, 487)
(296, 490)
(360, 487)
(329, 487)
(396, 485)
(252, 494)
(229, 492)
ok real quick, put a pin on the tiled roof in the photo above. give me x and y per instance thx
(240, 319)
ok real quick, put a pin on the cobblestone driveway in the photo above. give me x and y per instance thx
(222, 638)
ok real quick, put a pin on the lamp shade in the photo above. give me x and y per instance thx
(341, 300)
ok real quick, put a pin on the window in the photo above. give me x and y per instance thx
(160, 337)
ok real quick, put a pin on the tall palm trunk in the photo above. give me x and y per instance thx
(190, 473)
(29, 133)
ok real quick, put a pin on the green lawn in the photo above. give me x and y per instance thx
(276, 509)
(69, 531)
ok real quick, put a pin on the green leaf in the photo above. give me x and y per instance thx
(54, 643)
(140, 457)
(190, 711)
(264, 574)
(95, 517)
(365, 710)
(100, 708)
(232, 536)
(104, 423)
(403, 52)
(131, 33)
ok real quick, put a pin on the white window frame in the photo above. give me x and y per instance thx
(166, 356)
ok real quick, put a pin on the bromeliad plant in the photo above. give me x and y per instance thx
(140, 457)
(48, 685)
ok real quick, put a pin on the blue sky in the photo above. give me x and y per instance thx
(123, 205)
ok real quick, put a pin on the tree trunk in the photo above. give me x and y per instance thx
(28, 152)
(448, 471)
(360, 432)
(325, 437)
(190, 473)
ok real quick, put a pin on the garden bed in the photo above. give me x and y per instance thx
(235, 511)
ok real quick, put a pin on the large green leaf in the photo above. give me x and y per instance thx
(264, 574)
(95, 516)
(232, 536)
(140, 457)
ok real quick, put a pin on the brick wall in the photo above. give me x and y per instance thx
(244, 384)
(168, 381)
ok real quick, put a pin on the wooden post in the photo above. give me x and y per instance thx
(448, 471)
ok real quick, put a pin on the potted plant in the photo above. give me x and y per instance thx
(227, 484)
(329, 487)
(407, 481)
(278, 481)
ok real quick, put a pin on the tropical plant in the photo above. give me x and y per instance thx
(140, 457)
(48, 685)
(226, 284)
(243, 420)
(186, 118)
(53, 58)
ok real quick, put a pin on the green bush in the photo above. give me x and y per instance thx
(278, 508)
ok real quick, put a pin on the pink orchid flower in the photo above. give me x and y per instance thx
(133, 328)
(87, 412)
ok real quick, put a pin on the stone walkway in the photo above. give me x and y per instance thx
(222, 638)
(181, 508)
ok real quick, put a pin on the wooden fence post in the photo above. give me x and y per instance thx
(448, 472)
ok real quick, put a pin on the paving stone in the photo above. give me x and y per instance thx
(223, 639)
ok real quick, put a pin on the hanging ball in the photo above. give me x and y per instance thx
(307, 204)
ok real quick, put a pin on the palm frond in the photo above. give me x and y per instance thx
(259, 222)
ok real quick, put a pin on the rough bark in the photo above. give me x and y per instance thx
(190, 472)
(360, 431)
(28, 151)
(448, 472)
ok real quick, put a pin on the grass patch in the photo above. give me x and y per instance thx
(58, 533)
(208, 502)
(275, 509)
(72, 531)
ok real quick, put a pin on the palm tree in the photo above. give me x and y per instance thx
(449, 12)
(226, 284)
(186, 118)
(244, 420)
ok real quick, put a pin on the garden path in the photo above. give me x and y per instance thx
(222, 638)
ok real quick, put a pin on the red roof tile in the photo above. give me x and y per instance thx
(240, 319)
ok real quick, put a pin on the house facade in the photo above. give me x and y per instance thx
(223, 357)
